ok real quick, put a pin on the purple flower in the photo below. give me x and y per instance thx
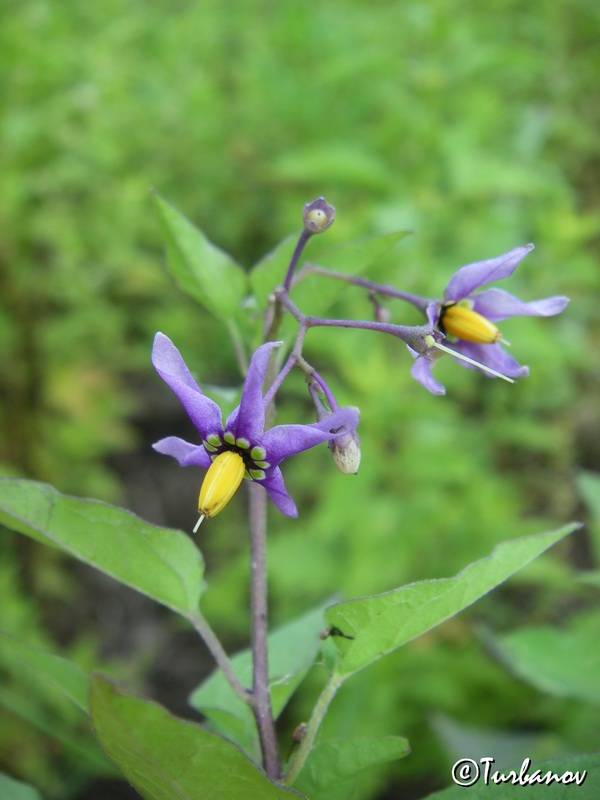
(467, 318)
(244, 431)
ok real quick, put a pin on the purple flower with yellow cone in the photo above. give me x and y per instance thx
(241, 447)
(467, 319)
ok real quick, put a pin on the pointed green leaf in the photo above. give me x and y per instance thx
(201, 269)
(292, 651)
(166, 758)
(10, 789)
(382, 623)
(161, 563)
(586, 768)
(59, 672)
(334, 762)
(565, 663)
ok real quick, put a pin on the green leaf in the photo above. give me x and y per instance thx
(10, 789)
(59, 672)
(292, 651)
(166, 758)
(588, 790)
(334, 762)
(382, 623)
(201, 269)
(161, 563)
(565, 663)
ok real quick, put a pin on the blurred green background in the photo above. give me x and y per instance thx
(475, 126)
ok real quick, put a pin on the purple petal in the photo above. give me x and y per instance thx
(167, 360)
(496, 304)
(470, 277)
(278, 493)
(493, 356)
(286, 440)
(248, 419)
(433, 313)
(421, 371)
(187, 454)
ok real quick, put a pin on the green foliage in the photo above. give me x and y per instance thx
(202, 270)
(334, 763)
(432, 117)
(163, 564)
(166, 757)
(58, 672)
(292, 651)
(362, 631)
(378, 625)
(561, 662)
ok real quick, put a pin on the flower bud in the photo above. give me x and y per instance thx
(346, 453)
(318, 215)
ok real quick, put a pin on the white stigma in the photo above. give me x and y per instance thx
(430, 342)
(197, 525)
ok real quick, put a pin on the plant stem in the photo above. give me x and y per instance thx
(379, 288)
(325, 698)
(261, 697)
(415, 336)
(273, 327)
(302, 240)
(218, 653)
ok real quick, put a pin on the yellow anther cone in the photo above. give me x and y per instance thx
(464, 323)
(220, 484)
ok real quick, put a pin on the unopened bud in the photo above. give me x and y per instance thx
(318, 215)
(346, 453)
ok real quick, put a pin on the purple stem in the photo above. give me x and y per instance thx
(333, 405)
(415, 336)
(380, 288)
(261, 697)
(303, 239)
(274, 387)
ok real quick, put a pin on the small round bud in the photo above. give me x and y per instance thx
(346, 453)
(318, 215)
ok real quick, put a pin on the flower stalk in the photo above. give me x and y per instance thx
(261, 696)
